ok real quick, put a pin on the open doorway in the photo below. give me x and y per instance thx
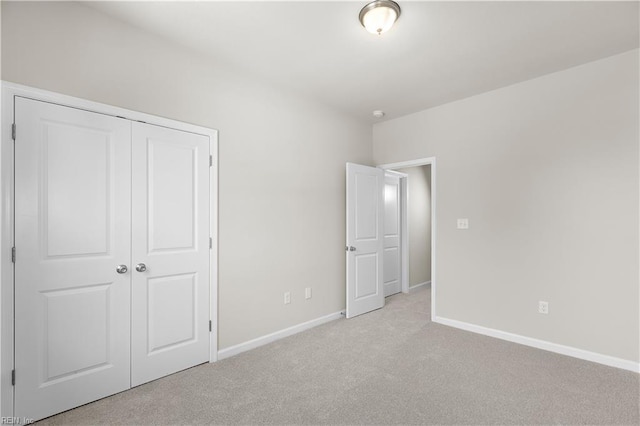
(367, 269)
(418, 230)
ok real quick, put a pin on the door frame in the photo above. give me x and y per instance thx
(404, 229)
(413, 163)
(9, 91)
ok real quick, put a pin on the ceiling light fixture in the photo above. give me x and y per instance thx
(378, 16)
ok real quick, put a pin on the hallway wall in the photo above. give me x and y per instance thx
(419, 215)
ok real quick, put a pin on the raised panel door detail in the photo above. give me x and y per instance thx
(391, 264)
(77, 333)
(366, 207)
(172, 311)
(173, 205)
(366, 275)
(76, 172)
(391, 204)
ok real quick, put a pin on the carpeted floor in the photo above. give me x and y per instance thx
(391, 366)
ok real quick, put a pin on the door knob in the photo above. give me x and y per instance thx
(352, 248)
(141, 267)
(121, 269)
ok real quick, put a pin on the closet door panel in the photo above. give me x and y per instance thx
(72, 229)
(170, 244)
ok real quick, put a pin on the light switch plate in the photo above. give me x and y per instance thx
(463, 223)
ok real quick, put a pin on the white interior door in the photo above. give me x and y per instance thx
(72, 227)
(170, 222)
(392, 247)
(365, 204)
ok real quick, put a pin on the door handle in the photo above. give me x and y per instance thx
(121, 269)
(141, 267)
(352, 248)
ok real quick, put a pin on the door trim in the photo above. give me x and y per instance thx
(412, 163)
(9, 92)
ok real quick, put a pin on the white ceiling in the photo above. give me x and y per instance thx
(436, 53)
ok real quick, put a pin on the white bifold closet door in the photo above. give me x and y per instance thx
(85, 327)
(72, 227)
(170, 230)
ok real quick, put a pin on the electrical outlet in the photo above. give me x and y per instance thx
(287, 297)
(307, 293)
(543, 307)
(463, 223)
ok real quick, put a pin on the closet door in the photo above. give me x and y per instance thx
(72, 230)
(170, 251)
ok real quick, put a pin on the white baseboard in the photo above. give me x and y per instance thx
(542, 344)
(413, 287)
(272, 337)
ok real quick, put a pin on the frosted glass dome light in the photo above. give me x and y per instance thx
(379, 16)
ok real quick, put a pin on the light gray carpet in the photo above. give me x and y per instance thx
(391, 366)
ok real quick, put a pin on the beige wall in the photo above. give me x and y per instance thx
(547, 173)
(419, 215)
(282, 157)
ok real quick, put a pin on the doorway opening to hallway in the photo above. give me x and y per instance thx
(416, 213)
(380, 233)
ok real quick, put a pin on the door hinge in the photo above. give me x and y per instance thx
(13, 131)
(13, 377)
(211, 161)
(13, 254)
(210, 326)
(210, 242)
